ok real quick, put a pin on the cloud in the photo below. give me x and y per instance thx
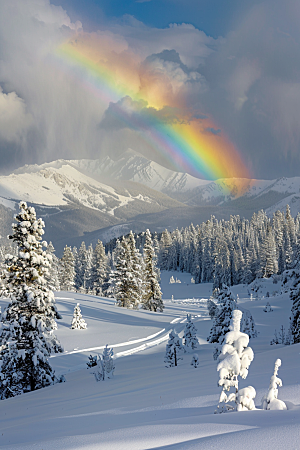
(247, 81)
(14, 119)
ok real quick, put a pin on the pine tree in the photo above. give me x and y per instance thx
(52, 277)
(67, 277)
(234, 361)
(136, 272)
(195, 361)
(80, 266)
(152, 294)
(174, 349)
(295, 317)
(88, 272)
(120, 278)
(27, 324)
(104, 367)
(190, 336)
(78, 323)
(222, 319)
(99, 269)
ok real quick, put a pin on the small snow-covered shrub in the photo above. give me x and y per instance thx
(268, 308)
(245, 399)
(192, 280)
(177, 280)
(195, 361)
(92, 362)
(282, 337)
(172, 281)
(78, 323)
(270, 400)
(61, 379)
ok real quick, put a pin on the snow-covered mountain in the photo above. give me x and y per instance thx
(73, 203)
(104, 198)
(132, 166)
(186, 188)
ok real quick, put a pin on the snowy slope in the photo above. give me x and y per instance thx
(146, 405)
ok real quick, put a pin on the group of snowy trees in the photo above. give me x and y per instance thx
(85, 270)
(135, 278)
(234, 251)
(223, 252)
(130, 275)
(175, 347)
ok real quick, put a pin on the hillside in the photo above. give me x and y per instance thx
(146, 405)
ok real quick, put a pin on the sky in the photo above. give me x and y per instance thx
(211, 87)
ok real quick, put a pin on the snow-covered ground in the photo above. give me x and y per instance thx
(146, 405)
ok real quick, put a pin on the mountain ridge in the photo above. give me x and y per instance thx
(79, 198)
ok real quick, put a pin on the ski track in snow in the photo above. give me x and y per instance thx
(145, 346)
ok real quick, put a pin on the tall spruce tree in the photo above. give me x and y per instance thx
(295, 317)
(221, 322)
(99, 269)
(120, 278)
(67, 276)
(152, 294)
(136, 276)
(52, 277)
(27, 324)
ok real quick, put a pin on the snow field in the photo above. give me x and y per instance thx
(146, 405)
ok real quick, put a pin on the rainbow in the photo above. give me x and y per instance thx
(186, 143)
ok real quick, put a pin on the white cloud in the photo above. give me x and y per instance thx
(248, 81)
(14, 119)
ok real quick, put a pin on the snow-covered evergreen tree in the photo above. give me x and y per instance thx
(80, 267)
(221, 322)
(121, 278)
(52, 277)
(190, 336)
(212, 308)
(105, 367)
(295, 317)
(234, 361)
(195, 361)
(78, 323)
(270, 400)
(67, 276)
(27, 324)
(152, 294)
(88, 275)
(268, 308)
(108, 362)
(174, 349)
(99, 269)
(136, 272)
